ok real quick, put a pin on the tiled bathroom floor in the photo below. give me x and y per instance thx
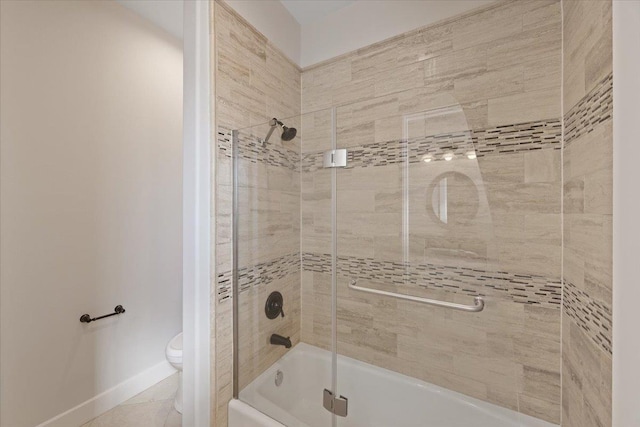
(151, 408)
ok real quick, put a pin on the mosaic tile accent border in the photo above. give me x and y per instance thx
(546, 134)
(520, 288)
(252, 150)
(224, 281)
(520, 137)
(262, 273)
(596, 107)
(594, 317)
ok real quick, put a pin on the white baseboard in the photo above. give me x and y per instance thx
(111, 398)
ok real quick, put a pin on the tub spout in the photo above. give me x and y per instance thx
(280, 340)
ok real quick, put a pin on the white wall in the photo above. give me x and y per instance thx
(366, 22)
(198, 242)
(91, 112)
(167, 14)
(626, 211)
(274, 21)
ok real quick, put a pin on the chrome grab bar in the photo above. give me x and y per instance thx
(477, 307)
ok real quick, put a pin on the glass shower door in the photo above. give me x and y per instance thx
(282, 282)
(416, 345)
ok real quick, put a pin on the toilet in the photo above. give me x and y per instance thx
(174, 356)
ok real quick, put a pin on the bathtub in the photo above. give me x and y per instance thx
(377, 398)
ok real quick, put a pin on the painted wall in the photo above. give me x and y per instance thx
(167, 14)
(91, 107)
(254, 81)
(486, 83)
(626, 210)
(588, 208)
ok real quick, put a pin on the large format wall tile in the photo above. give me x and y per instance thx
(482, 89)
(496, 75)
(254, 82)
(587, 47)
(588, 188)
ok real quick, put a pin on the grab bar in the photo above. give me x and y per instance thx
(477, 307)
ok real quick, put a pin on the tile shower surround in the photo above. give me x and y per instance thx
(593, 316)
(506, 139)
(262, 273)
(519, 288)
(254, 82)
(500, 71)
(507, 286)
(256, 152)
(592, 110)
(586, 328)
(588, 208)
(505, 131)
(483, 142)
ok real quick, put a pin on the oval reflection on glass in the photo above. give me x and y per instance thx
(454, 198)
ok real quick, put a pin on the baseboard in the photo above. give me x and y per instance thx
(111, 398)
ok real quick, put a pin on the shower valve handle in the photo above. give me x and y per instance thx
(277, 307)
(274, 306)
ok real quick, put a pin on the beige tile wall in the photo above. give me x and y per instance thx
(501, 65)
(497, 70)
(588, 172)
(254, 82)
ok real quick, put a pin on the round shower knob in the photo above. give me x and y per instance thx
(273, 307)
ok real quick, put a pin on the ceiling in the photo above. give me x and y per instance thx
(307, 11)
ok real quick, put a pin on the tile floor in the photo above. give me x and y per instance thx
(151, 408)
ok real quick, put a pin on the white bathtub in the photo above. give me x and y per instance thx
(377, 398)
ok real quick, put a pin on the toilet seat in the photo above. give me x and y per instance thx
(174, 351)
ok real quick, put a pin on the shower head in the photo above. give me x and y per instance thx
(287, 133)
